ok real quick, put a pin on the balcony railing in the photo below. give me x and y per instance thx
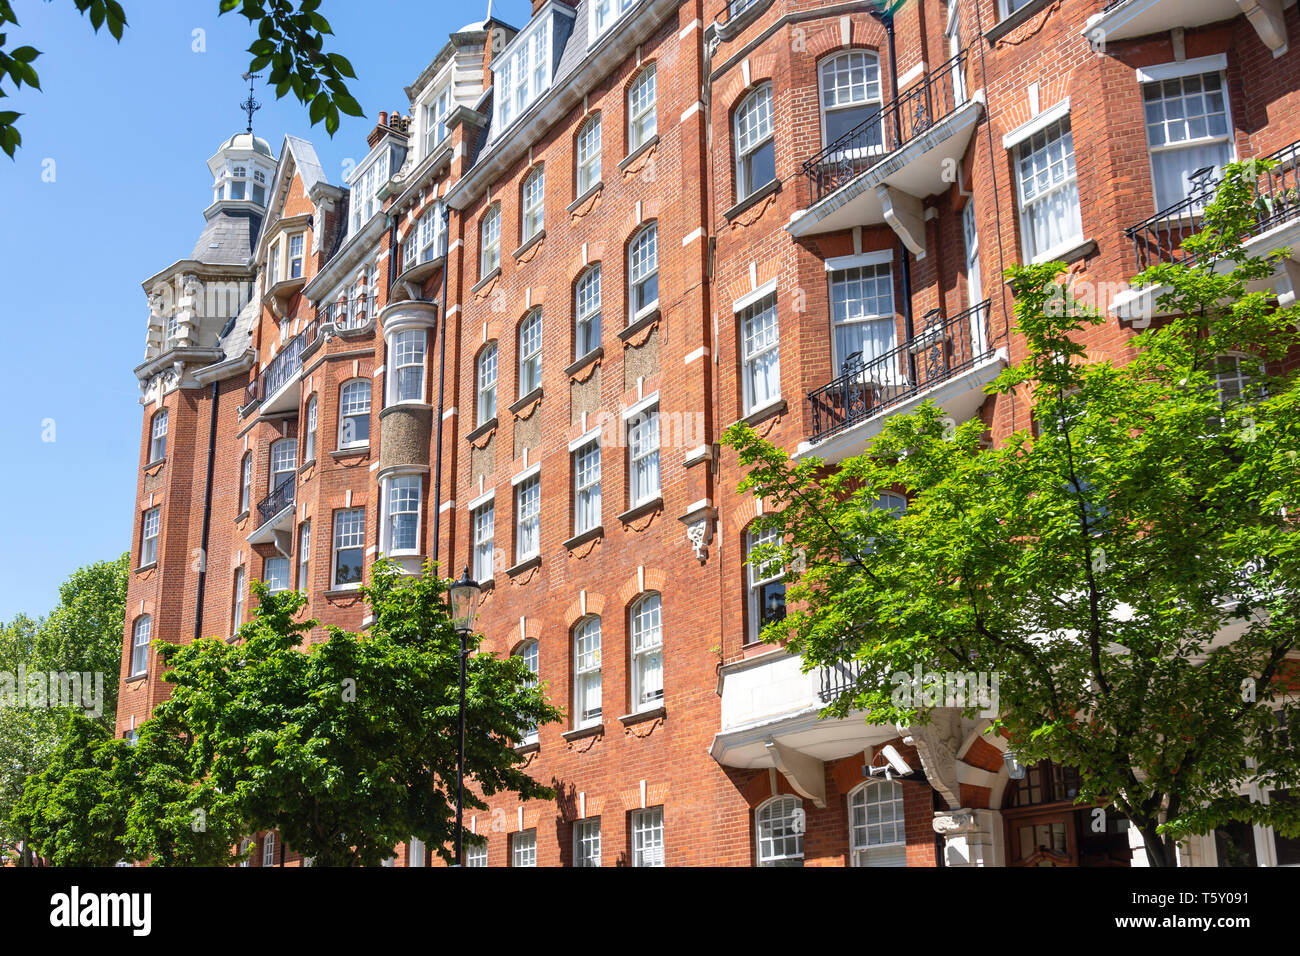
(866, 388)
(282, 497)
(916, 110)
(1276, 200)
(283, 367)
(838, 678)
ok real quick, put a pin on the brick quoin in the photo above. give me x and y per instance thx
(716, 249)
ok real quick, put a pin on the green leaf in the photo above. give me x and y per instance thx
(348, 105)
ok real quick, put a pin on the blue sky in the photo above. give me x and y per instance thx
(126, 130)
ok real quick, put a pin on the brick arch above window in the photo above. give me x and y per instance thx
(762, 69)
(574, 614)
(649, 579)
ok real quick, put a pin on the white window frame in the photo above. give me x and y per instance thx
(587, 678)
(351, 410)
(304, 556)
(586, 842)
(530, 352)
(245, 482)
(586, 487)
(476, 854)
(528, 518)
(365, 183)
(865, 847)
(760, 577)
(530, 653)
(150, 528)
(532, 219)
(1038, 141)
(296, 241)
(398, 502)
(1157, 77)
(642, 267)
(348, 536)
(648, 843)
(237, 607)
(141, 632)
(760, 353)
(588, 155)
(1008, 7)
(779, 826)
(872, 270)
(642, 108)
(484, 366)
(644, 475)
(603, 15)
(483, 530)
(158, 436)
(753, 131)
(435, 114)
(844, 99)
(406, 350)
(276, 580)
(268, 849)
(489, 237)
(309, 440)
(523, 848)
(647, 646)
(283, 461)
(587, 312)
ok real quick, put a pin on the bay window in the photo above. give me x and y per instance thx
(284, 462)
(401, 530)
(275, 574)
(295, 256)
(406, 367)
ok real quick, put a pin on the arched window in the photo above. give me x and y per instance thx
(530, 352)
(643, 271)
(755, 149)
(647, 652)
(849, 83)
(586, 312)
(877, 836)
(1235, 380)
(528, 653)
(534, 203)
(586, 673)
(490, 241)
(766, 583)
(486, 376)
(588, 152)
(309, 443)
(641, 124)
(779, 828)
(354, 413)
(140, 632)
(284, 462)
(158, 436)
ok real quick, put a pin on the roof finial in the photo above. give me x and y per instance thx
(489, 13)
(250, 105)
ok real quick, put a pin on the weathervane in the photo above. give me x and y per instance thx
(250, 105)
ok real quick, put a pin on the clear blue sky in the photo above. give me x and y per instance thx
(129, 128)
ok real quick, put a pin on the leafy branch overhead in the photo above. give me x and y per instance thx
(290, 42)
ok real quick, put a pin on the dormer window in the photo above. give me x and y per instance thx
(365, 185)
(604, 13)
(525, 69)
(435, 119)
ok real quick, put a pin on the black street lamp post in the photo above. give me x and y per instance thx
(463, 596)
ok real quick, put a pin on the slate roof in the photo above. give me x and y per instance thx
(228, 238)
(239, 338)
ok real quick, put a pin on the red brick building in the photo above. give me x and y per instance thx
(647, 220)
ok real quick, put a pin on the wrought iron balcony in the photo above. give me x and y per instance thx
(283, 367)
(279, 499)
(1276, 200)
(942, 349)
(917, 109)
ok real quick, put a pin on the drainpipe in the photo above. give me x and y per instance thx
(442, 378)
(886, 17)
(207, 517)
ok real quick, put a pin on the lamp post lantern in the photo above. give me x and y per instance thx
(462, 595)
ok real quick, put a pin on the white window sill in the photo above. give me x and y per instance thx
(1065, 251)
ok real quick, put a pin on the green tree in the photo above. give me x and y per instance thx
(346, 749)
(83, 634)
(1128, 567)
(290, 41)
